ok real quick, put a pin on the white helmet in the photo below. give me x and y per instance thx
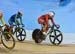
(51, 13)
(20, 12)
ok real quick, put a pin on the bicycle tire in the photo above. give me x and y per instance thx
(56, 37)
(38, 41)
(36, 36)
(21, 37)
(6, 45)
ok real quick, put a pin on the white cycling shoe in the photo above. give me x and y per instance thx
(44, 33)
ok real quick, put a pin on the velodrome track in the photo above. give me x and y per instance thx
(29, 47)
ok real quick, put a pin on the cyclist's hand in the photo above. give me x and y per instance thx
(57, 26)
(22, 25)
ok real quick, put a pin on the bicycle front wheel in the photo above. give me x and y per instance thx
(8, 40)
(56, 37)
(21, 34)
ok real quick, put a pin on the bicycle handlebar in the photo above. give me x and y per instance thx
(19, 25)
(53, 26)
(57, 26)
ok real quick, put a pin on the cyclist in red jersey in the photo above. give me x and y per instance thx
(44, 20)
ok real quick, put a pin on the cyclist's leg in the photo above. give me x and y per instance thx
(0, 28)
(11, 26)
(42, 22)
(11, 29)
(45, 29)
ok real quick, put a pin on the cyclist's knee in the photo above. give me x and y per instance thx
(45, 29)
(11, 27)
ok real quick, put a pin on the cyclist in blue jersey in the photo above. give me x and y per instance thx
(14, 19)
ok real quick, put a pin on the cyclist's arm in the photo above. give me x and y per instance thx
(52, 20)
(15, 19)
(3, 22)
(21, 20)
(47, 19)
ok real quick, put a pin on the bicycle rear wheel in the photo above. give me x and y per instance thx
(21, 34)
(8, 40)
(36, 36)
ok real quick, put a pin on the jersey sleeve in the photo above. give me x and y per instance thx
(21, 20)
(53, 21)
(15, 17)
(46, 16)
(3, 22)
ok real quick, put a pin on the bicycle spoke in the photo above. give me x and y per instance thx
(52, 36)
(54, 40)
(23, 35)
(55, 33)
(23, 31)
(18, 35)
(58, 35)
(20, 32)
(58, 40)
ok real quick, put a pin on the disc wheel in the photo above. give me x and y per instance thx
(36, 35)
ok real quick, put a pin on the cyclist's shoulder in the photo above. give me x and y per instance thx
(14, 15)
(45, 15)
